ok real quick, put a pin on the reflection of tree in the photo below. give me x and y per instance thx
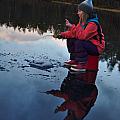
(112, 62)
(112, 52)
(111, 55)
(37, 15)
(110, 23)
(33, 15)
(119, 66)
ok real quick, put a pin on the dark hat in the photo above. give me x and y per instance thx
(86, 6)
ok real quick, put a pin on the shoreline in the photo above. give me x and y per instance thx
(97, 8)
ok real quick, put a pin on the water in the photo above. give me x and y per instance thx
(26, 31)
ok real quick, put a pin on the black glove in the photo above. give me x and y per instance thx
(59, 36)
(51, 92)
(57, 109)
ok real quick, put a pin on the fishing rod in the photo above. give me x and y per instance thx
(48, 92)
(41, 91)
(54, 36)
(46, 36)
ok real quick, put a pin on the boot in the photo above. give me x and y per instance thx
(70, 63)
(80, 67)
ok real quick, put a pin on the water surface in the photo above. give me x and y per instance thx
(26, 36)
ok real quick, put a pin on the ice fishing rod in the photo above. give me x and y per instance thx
(42, 92)
(45, 36)
(46, 92)
(54, 36)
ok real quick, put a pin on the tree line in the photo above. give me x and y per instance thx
(98, 3)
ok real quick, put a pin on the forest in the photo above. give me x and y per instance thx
(114, 4)
(99, 3)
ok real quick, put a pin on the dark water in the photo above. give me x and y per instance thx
(26, 31)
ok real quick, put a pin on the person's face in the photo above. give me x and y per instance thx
(80, 13)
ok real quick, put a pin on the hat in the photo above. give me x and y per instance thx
(86, 6)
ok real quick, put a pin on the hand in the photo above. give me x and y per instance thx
(68, 24)
(51, 92)
(57, 109)
(59, 36)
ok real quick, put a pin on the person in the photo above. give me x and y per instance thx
(84, 39)
(79, 93)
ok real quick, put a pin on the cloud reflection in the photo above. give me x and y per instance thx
(23, 37)
(9, 34)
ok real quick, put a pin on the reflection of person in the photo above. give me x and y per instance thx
(84, 39)
(79, 95)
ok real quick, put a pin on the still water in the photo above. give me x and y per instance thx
(26, 31)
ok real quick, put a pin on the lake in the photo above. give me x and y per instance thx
(28, 92)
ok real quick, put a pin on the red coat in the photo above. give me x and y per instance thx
(88, 33)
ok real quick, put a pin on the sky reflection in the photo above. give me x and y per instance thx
(9, 34)
(21, 37)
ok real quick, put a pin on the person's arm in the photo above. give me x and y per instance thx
(69, 33)
(87, 33)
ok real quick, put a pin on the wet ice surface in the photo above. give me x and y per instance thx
(21, 82)
(107, 104)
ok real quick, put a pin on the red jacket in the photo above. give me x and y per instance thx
(88, 33)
